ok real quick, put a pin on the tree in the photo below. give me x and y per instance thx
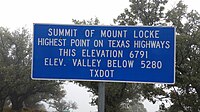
(133, 106)
(148, 13)
(145, 12)
(15, 70)
(61, 105)
(185, 94)
(92, 21)
(34, 102)
(4, 71)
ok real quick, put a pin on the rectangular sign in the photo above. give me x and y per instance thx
(104, 53)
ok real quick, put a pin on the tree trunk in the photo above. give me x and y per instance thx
(17, 107)
(2, 102)
(17, 103)
(1, 105)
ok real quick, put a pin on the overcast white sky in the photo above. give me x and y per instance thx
(25, 12)
(19, 13)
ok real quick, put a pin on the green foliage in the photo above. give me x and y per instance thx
(133, 106)
(92, 21)
(61, 105)
(145, 12)
(15, 71)
(118, 94)
(185, 94)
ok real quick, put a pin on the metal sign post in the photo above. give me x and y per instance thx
(101, 99)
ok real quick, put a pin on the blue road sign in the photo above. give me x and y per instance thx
(104, 53)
